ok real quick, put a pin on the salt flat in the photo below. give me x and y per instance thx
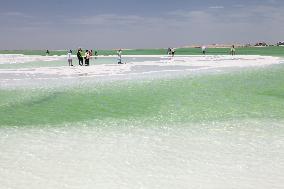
(162, 65)
(154, 122)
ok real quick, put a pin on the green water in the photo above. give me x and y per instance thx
(238, 95)
(35, 64)
(267, 51)
(63, 62)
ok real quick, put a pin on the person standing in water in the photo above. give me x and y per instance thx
(233, 50)
(87, 58)
(91, 54)
(47, 52)
(173, 51)
(69, 58)
(80, 57)
(203, 49)
(119, 54)
(169, 51)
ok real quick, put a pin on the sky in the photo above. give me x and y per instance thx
(112, 24)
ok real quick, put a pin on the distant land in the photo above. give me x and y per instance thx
(213, 49)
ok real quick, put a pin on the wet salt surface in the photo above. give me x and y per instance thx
(19, 58)
(154, 68)
(246, 154)
(240, 154)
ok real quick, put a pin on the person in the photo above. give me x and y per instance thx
(169, 51)
(233, 50)
(173, 52)
(91, 54)
(69, 58)
(80, 57)
(87, 58)
(203, 49)
(47, 52)
(119, 54)
(96, 53)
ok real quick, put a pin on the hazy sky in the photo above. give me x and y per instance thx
(107, 24)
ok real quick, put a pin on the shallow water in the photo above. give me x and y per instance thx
(218, 129)
(225, 96)
(58, 61)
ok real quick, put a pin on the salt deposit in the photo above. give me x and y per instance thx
(214, 131)
(165, 64)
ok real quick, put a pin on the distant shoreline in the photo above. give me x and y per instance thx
(211, 50)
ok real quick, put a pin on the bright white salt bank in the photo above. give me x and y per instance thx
(21, 70)
(225, 155)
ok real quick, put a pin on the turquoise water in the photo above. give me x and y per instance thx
(254, 94)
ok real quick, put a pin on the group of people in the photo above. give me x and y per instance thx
(171, 51)
(80, 55)
(85, 56)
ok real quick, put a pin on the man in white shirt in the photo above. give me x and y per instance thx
(69, 58)
(203, 49)
(173, 51)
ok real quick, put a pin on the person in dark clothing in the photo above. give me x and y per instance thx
(80, 57)
(233, 50)
(169, 51)
(87, 58)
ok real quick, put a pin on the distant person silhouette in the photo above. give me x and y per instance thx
(87, 58)
(80, 57)
(173, 51)
(203, 50)
(169, 51)
(69, 58)
(119, 54)
(233, 50)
